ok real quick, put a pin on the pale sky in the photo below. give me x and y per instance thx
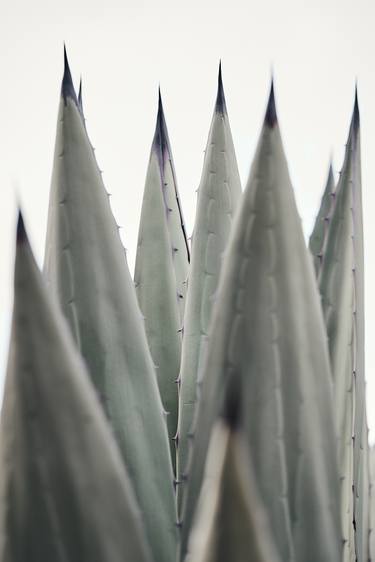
(316, 48)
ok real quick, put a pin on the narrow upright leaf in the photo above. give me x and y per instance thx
(341, 288)
(86, 267)
(218, 196)
(230, 523)
(64, 491)
(268, 337)
(319, 234)
(372, 503)
(161, 269)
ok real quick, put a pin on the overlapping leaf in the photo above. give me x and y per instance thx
(161, 269)
(341, 288)
(218, 195)
(319, 234)
(231, 523)
(86, 267)
(64, 491)
(268, 335)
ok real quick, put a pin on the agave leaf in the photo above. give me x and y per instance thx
(218, 196)
(230, 522)
(319, 234)
(372, 503)
(268, 334)
(361, 457)
(65, 494)
(362, 496)
(341, 288)
(161, 269)
(86, 267)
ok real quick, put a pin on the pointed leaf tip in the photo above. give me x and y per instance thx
(67, 88)
(160, 141)
(271, 116)
(160, 102)
(220, 99)
(355, 118)
(330, 170)
(21, 231)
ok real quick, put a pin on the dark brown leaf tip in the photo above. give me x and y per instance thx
(354, 124)
(232, 404)
(67, 88)
(220, 106)
(330, 172)
(355, 118)
(271, 116)
(21, 232)
(160, 143)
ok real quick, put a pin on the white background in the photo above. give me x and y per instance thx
(317, 49)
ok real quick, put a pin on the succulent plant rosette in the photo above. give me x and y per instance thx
(211, 408)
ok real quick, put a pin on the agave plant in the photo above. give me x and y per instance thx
(264, 338)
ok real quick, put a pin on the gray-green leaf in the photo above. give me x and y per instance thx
(86, 267)
(230, 523)
(341, 288)
(268, 335)
(319, 234)
(218, 196)
(161, 270)
(64, 491)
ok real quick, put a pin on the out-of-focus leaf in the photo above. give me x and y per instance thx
(230, 523)
(319, 234)
(64, 492)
